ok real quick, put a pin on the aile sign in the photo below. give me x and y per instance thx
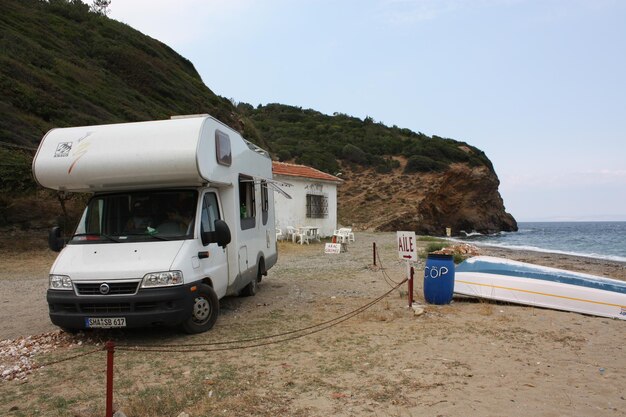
(407, 248)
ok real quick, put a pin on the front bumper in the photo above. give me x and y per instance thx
(148, 307)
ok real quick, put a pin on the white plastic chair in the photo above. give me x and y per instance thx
(291, 233)
(279, 234)
(341, 235)
(303, 235)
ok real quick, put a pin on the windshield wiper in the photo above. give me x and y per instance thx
(111, 238)
(152, 235)
(158, 237)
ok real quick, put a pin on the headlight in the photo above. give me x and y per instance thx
(162, 279)
(60, 282)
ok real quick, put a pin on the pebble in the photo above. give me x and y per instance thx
(16, 355)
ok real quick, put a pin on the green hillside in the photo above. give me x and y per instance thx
(61, 65)
(319, 140)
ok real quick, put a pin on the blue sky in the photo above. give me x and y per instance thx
(539, 85)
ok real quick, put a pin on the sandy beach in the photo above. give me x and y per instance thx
(472, 357)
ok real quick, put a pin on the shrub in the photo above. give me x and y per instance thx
(458, 258)
(354, 154)
(435, 246)
(383, 169)
(283, 155)
(15, 172)
(418, 163)
(432, 247)
(323, 161)
(386, 165)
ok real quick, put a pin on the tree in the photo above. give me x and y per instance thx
(101, 7)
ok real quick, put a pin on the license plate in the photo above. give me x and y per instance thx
(105, 322)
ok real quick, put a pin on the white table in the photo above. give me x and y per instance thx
(307, 233)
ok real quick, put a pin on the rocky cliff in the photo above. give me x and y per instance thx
(462, 198)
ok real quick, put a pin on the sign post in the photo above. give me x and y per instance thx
(407, 251)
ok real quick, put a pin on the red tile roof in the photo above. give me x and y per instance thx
(293, 170)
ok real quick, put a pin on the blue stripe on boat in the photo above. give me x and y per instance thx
(530, 271)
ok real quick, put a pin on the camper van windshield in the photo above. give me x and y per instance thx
(137, 216)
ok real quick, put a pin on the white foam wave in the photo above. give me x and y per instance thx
(555, 251)
(471, 234)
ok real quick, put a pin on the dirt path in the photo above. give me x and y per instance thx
(467, 358)
(23, 285)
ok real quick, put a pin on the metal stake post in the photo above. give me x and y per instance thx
(411, 274)
(110, 348)
(374, 252)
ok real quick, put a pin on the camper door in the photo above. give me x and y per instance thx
(215, 264)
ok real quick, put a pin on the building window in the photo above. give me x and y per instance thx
(316, 206)
(247, 211)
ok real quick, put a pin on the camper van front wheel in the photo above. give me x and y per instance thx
(204, 310)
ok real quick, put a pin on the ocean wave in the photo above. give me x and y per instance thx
(471, 234)
(616, 258)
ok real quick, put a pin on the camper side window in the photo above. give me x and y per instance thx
(247, 211)
(210, 212)
(222, 148)
(265, 202)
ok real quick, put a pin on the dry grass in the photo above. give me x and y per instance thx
(485, 309)
(385, 361)
(18, 242)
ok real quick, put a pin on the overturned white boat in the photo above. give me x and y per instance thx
(524, 283)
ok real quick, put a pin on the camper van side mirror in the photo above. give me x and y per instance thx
(223, 233)
(55, 241)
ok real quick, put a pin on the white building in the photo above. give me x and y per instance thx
(313, 198)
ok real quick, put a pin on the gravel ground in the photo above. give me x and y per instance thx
(469, 357)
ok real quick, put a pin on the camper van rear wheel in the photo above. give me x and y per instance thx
(253, 286)
(250, 289)
(204, 310)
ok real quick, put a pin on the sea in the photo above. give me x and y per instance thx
(600, 240)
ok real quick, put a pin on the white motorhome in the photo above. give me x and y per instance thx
(181, 216)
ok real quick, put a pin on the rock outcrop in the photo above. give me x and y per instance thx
(462, 198)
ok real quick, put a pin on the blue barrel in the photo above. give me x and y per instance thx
(439, 279)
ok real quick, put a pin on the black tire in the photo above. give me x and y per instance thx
(253, 286)
(250, 289)
(261, 272)
(204, 310)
